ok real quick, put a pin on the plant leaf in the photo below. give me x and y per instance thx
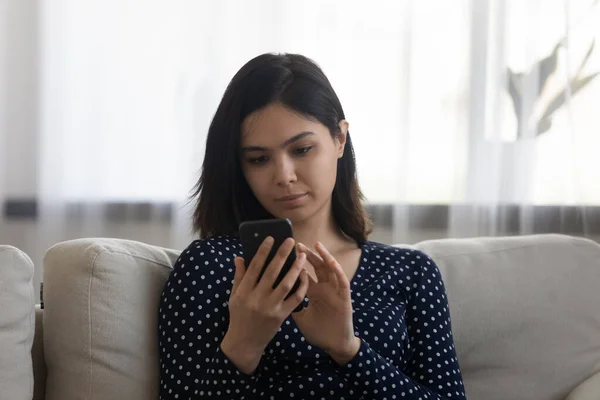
(560, 98)
(544, 125)
(586, 58)
(547, 66)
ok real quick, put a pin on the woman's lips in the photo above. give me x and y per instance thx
(292, 200)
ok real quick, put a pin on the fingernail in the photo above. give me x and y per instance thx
(302, 257)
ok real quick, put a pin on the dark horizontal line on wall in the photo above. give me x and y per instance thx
(20, 209)
(27, 209)
(507, 218)
(123, 211)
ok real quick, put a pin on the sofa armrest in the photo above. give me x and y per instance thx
(37, 356)
(17, 322)
(588, 390)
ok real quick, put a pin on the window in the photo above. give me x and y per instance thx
(128, 93)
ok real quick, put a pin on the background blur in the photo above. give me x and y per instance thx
(469, 117)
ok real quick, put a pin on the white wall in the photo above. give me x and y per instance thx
(2, 90)
(19, 86)
(19, 113)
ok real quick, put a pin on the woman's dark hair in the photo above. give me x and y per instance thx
(224, 198)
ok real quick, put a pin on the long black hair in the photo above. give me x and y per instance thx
(223, 197)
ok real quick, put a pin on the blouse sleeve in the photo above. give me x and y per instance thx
(193, 319)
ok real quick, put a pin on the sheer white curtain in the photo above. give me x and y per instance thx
(508, 118)
(128, 89)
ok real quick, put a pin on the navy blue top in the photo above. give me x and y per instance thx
(400, 312)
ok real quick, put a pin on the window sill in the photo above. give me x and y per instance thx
(545, 219)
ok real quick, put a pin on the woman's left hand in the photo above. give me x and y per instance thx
(327, 321)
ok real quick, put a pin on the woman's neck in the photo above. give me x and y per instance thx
(321, 227)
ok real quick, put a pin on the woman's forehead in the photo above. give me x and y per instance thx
(276, 122)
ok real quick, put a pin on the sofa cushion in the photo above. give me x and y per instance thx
(588, 390)
(101, 300)
(17, 324)
(525, 313)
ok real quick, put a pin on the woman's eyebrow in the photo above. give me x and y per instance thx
(291, 140)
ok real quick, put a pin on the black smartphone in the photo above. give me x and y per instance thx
(253, 233)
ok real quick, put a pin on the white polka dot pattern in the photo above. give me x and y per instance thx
(400, 313)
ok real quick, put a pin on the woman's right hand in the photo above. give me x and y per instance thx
(256, 310)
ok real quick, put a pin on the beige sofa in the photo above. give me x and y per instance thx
(525, 313)
(17, 324)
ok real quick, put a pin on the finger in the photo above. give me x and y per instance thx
(289, 280)
(342, 279)
(315, 261)
(312, 280)
(240, 269)
(274, 268)
(329, 262)
(256, 264)
(298, 297)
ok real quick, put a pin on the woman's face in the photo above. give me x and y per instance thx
(290, 162)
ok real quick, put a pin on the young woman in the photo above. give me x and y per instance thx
(375, 322)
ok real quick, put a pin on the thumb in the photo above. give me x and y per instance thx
(240, 270)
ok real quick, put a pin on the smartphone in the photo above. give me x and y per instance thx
(253, 233)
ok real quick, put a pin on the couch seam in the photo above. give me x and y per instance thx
(93, 264)
(136, 256)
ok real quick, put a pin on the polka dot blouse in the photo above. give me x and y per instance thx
(401, 316)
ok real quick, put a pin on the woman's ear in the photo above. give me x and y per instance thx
(340, 139)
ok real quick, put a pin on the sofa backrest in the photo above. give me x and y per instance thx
(525, 313)
(100, 319)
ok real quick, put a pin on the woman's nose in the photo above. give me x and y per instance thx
(285, 172)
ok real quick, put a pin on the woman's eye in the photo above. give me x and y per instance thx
(302, 150)
(257, 160)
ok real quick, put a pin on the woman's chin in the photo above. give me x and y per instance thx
(294, 215)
